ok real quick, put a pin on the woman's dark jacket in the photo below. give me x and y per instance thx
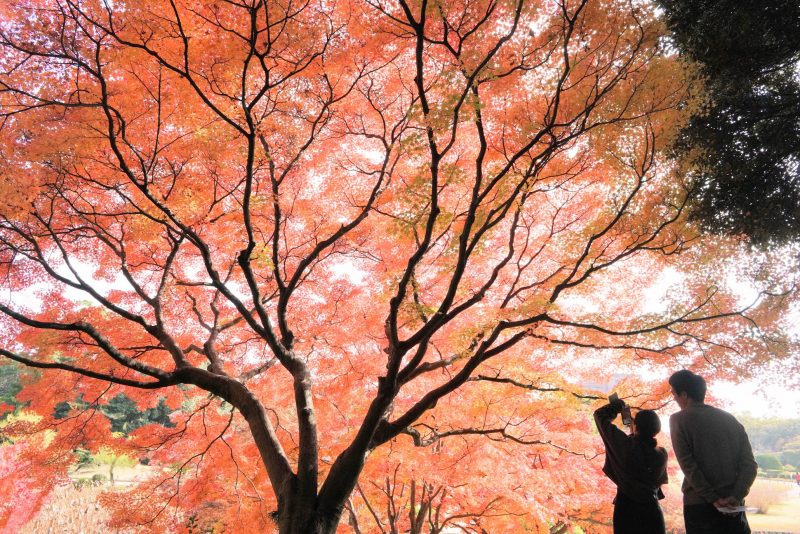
(638, 469)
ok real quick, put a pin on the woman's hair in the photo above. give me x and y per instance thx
(648, 424)
(645, 453)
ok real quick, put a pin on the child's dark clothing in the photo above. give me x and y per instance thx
(638, 469)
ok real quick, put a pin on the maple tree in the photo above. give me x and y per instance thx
(328, 238)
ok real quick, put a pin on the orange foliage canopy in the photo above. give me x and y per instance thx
(360, 248)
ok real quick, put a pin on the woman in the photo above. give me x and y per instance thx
(638, 466)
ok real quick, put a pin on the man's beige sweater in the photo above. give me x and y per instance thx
(714, 453)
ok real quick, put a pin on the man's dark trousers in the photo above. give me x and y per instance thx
(705, 519)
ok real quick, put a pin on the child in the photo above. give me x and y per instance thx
(638, 466)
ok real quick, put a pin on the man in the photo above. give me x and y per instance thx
(716, 458)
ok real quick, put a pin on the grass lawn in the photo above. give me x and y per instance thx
(783, 515)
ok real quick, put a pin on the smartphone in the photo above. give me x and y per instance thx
(627, 420)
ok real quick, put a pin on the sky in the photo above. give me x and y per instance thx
(745, 398)
(757, 399)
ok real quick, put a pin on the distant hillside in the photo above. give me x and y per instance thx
(774, 437)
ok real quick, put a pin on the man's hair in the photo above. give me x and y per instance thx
(694, 385)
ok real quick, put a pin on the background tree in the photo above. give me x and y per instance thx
(10, 386)
(775, 437)
(122, 411)
(335, 235)
(745, 147)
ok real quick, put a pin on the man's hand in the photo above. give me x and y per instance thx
(727, 502)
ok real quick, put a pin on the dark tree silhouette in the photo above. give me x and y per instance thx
(745, 147)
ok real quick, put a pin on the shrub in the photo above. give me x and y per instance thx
(83, 457)
(791, 458)
(766, 493)
(768, 462)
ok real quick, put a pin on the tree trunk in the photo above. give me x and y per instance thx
(300, 509)
(294, 521)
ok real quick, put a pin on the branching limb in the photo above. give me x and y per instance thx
(169, 381)
(496, 434)
(86, 328)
